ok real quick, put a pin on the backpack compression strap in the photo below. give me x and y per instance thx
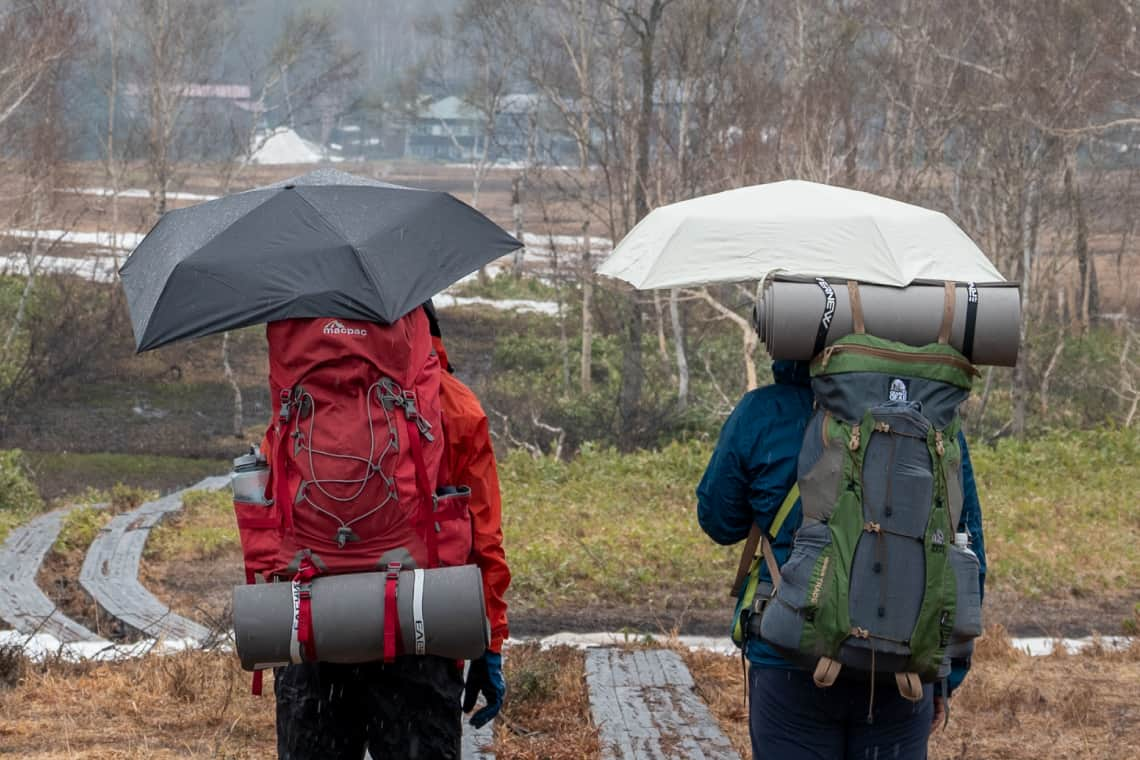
(427, 502)
(748, 555)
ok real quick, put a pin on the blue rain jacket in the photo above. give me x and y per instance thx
(754, 467)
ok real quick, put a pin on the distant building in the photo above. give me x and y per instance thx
(446, 130)
(526, 129)
(216, 119)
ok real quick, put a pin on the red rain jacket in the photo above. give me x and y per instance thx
(470, 461)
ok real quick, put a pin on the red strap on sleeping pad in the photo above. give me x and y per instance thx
(304, 578)
(427, 505)
(255, 683)
(391, 611)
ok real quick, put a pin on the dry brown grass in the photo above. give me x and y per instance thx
(720, 683)
(1012, 707)
(192, 704)
(547, 713)
(197, 704)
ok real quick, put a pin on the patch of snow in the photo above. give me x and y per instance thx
(138, 192)
(146, 411)
(448, 301)
(103, 269)
(122, 241)
(284, 146)
(568, 241)
(1037, 646)
(720, 645)
(41, 646)
(1032, 646)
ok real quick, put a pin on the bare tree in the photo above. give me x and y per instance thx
(174, 51)
(37, 38)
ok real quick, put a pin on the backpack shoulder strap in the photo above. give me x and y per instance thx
(756, 535)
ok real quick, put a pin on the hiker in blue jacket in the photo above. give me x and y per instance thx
(751, 472)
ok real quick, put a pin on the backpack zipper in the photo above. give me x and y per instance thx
(887, 353)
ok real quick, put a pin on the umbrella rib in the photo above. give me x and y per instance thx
(653, 267)
(886, 246)
(355, 250)
(206, 242)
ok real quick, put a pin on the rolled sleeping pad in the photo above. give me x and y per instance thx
(348, 617)
(797, 317)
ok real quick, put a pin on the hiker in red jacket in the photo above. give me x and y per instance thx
(411, 707)
(471, 462)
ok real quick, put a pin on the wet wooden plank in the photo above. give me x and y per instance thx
(645, 707)
(477, 742)
(111, 567)
(23, 605)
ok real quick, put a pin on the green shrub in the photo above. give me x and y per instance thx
(17, 493)
(80, 527)
(19, 498)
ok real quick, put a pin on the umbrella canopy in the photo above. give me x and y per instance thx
(327, 244)
(795, 227)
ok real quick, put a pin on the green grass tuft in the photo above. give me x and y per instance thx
(1061, 515)
(608, 527)
(1062, 511)
(204, 529)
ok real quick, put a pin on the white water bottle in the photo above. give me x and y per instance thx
(250, 477)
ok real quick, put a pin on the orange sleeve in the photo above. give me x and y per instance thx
(471, 462)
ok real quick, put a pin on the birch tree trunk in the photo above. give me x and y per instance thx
(659, 310)
(748, 338)
(517, 218)
(679, 347)
(584, 372)
(1030, 221)
(231, 378)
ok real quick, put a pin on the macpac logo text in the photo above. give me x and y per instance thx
(336, 327)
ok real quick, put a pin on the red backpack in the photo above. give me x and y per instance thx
(355, 450)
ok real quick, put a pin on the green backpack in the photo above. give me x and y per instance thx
(874, 583)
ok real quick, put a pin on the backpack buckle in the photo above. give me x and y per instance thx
(412, 413)
(389, 393)
(410, 410)
(286, 401)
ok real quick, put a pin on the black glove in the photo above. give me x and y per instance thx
(485, 676)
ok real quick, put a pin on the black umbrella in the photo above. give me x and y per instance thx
(327, 244)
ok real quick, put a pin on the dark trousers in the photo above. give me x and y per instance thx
(408, 709)
(793, 719)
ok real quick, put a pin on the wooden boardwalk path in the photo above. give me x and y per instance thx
(645, 707)
(22, 604)
(643, 701)
(111, 568)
